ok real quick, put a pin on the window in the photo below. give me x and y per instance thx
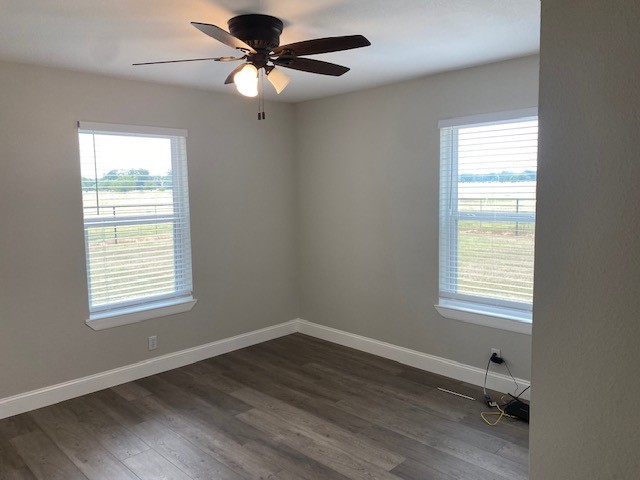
(136, 222)
(488, 169)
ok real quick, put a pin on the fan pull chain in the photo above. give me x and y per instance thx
(262, 94)
(259, 94)
(259, 97)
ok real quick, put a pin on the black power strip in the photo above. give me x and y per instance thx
(517, 408)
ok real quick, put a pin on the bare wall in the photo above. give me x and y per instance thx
(368, 209)
(242, 188)
(586, 360)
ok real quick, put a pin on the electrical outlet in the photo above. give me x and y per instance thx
(153, 342)
(496, 351)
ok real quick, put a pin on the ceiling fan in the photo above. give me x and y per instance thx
(258, 38)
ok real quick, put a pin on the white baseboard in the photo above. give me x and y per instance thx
(43, 397)
(423, 361)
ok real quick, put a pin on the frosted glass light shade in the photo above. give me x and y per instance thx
(246, 80)
(278, 79)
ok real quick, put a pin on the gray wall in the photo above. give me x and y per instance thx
(241, 179)
(368, 209)
(586, 357)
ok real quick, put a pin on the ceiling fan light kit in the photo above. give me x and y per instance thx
(258, 38)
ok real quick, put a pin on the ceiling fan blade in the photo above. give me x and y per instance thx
(323, 45)
(222, 36)
(312, 66)
(278, 79)
(229, 59)
(230, 77)
(215, 59)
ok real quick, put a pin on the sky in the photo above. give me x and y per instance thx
(508, 147)
(118, 152)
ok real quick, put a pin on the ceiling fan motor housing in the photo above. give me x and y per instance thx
(261, 32)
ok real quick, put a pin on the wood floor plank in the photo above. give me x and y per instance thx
(391, 386)
(427, 378)
(118, 440)
(199, 387)
(206, 374)
(435, 380)
(211, 440)
(337, 436)
(17, 425)
(196, 407)
(324, 409)
(292, 461)
(295, 393)
(374, 406)
(123, 411)
(160, 411)
(411, 469)
(421, 422)
(183, 454)
(426, 398)
(205, 367)
(443, 462)
(516, 453)
(77, 443)
(150, 465)
(317, 447)
(245, 371)
(238, 367)
(230, 454)
(130, 391)
(425, 433)
(469, 427)
(9, 458)
(45, 459)
(339, 354)
(19, 474)
(284, 475)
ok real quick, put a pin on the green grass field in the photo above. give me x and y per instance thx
(477, 266)
(512, 267)
(130, 262)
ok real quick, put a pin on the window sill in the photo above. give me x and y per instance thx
(503, 319)
(126, 316)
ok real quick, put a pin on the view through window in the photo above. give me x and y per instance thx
(136, 215)
(487, 213)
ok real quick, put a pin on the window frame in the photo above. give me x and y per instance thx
(144, 308)
(497, 313)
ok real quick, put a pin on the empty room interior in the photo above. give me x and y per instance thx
(336, 239)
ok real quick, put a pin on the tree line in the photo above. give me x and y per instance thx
(526, 176)
(128, 180)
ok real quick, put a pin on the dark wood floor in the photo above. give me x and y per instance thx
(292, 408)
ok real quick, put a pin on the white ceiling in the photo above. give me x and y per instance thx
(410, 38)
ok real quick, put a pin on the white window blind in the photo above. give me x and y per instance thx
(136, 215)
(487, 213)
